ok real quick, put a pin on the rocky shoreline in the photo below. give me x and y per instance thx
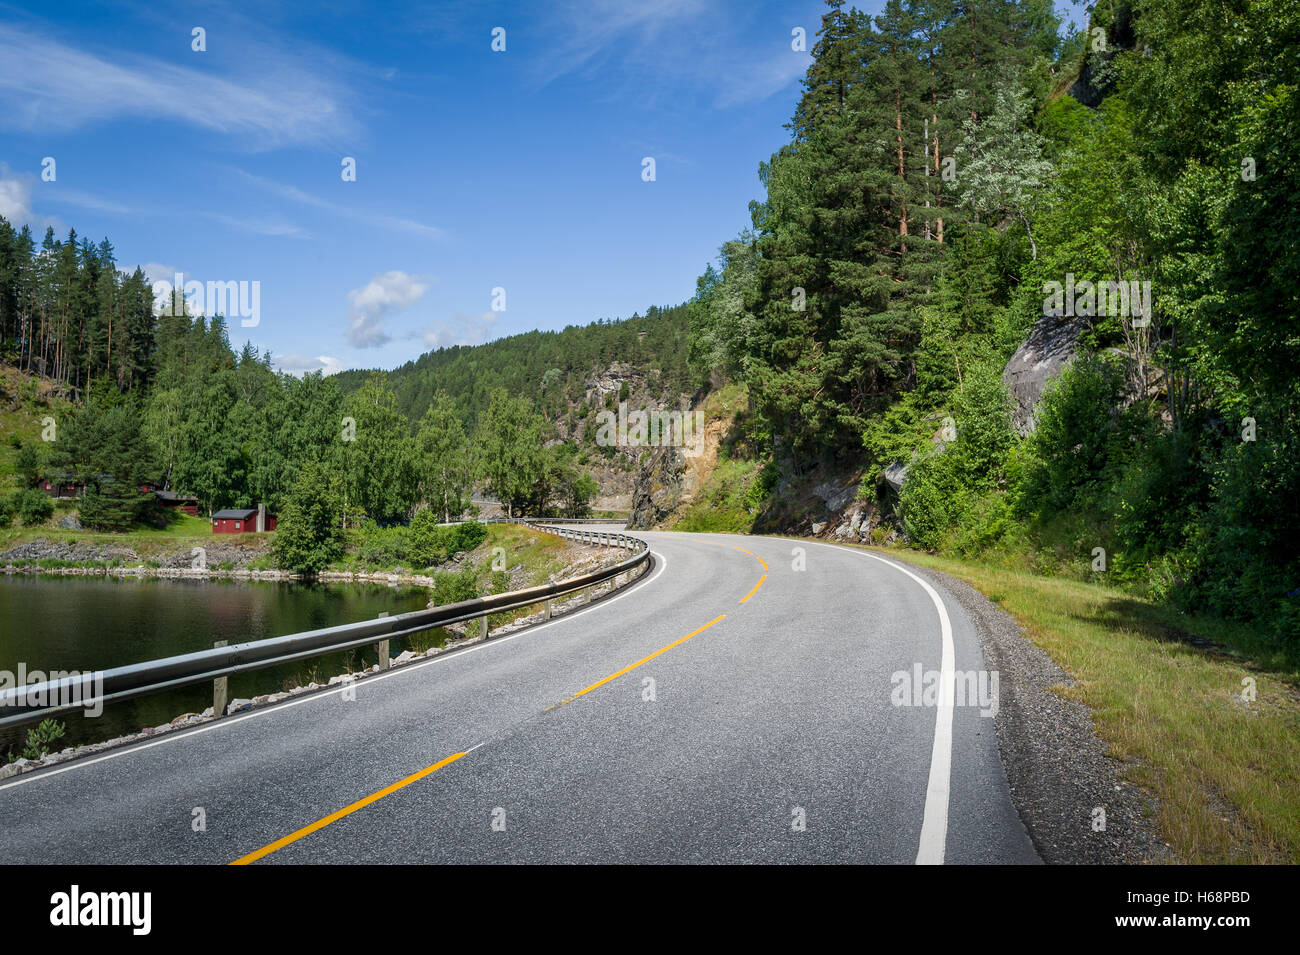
(92, 560)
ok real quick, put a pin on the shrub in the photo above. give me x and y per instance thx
(1076, 433)
(41, 739)
(32, 506)
(431, 544)
(453, 586)
(383, 546)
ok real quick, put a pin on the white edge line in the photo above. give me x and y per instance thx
(314, 697)
(934, 826)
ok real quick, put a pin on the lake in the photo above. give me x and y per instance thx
(80, 623)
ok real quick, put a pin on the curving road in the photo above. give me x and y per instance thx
(732, 706)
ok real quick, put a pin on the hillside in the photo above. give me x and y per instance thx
(551, 368)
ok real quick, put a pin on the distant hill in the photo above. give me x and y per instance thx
(551, 368)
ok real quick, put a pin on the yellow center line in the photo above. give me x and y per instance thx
(346, 810)
(627, 669)
(753, 555)
(755, 590)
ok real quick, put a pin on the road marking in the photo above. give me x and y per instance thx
(345, 811)
(627, 669)
(934, 824)
(229, 721)
(743, 551)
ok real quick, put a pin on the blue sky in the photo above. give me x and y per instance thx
(475, 169)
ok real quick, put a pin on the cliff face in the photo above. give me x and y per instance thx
(669, 478)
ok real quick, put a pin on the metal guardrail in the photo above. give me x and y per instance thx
(187, 669)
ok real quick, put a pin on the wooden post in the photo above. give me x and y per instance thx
(382, 647)
(220, 689)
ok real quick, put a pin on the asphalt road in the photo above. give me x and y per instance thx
(744, 722)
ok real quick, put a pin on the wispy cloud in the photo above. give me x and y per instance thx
(594, 26)
(752, 81)
(371, 304)
(260, 226)
(639, 50)
(380, 220)
(48, 85)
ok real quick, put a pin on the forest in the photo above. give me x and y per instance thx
(953, 167)
(153, 396)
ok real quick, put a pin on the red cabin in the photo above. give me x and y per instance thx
(243, 520)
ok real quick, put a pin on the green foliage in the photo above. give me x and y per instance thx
(31, 506)
(1077, 434)
(29, 462)
(430, 544)
(309, 531)
(549, 367)
(41, 739)
(943, 486)
(511, 436)
(379, 456)
(453, 586)
(446, 467)
(732, 498)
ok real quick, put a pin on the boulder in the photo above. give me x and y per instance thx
(895, 475)
(1051, 345)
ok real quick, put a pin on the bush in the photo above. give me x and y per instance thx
(453, 586)
(383, 546)
(1077, 433)
(32, 507)
(431, 544)
(933, 499)
(41, 739)
(309, 533)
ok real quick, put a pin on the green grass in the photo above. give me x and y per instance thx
(1226, 774)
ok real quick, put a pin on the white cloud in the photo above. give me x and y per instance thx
(461, 330)
(16, 200)
(47, 85)
(155, 271)
(592, 26)
(370, 305)
(298, 365)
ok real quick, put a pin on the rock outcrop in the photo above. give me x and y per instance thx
(658, 491)
(1051, 345)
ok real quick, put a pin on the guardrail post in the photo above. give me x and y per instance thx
(546, 612)
(483, 627)
(220, 689)
(382, 647)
